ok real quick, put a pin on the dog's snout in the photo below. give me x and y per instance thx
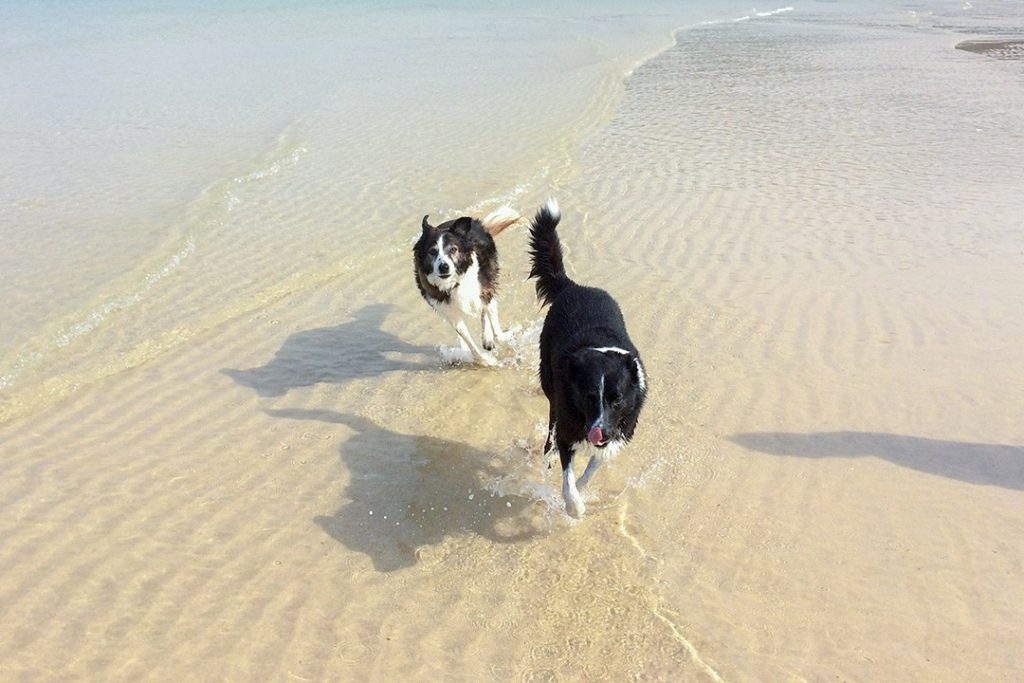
(443, 268)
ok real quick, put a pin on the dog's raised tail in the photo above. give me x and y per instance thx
(546, 253)
(499, 219)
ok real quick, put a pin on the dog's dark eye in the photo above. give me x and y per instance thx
(453, 251)
(433, 251)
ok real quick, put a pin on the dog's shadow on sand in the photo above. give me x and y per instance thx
(409, 495)
(357, 349)
(974, 463)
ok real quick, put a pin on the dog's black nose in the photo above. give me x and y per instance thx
(442, 268)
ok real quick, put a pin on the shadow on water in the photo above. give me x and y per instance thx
(420, 490)
(358, 349)
(975, 463)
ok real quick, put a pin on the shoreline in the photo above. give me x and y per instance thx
(29, 384)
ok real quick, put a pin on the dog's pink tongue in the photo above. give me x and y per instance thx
(595, 436)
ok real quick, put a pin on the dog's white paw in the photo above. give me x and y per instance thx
(575, 507)
(488, 360)
(510, 334)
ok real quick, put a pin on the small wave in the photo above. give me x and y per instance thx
(513, 194)
(207, 210)
(274, 168)
(94, 318)
(746, 17)
(149, 281)
(773, 12)
(17, 367)
(215, 200)
(505, 198)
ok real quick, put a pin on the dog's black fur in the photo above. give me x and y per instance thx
(590, 370)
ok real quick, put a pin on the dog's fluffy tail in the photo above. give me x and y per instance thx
(499, 219)
(546, 253)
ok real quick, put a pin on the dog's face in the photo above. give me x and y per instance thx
(607, 386)
(444, 253)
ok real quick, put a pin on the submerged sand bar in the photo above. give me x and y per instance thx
(1000, 49)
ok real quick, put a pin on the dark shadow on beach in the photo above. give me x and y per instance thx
(975, 463)
(408, 493)
(358, 349)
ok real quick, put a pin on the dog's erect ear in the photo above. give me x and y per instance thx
(426, 226)
(462, 225)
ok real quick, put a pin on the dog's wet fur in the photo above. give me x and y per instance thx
(456, 268)
(590, 370)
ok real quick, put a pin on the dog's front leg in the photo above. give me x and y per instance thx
(481, 356)
(573, 500)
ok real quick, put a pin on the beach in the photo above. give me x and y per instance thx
(232, 448)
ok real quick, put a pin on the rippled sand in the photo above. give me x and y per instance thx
(816, 243)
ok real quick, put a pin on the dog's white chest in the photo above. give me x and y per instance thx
(466, 297)
(463, 299)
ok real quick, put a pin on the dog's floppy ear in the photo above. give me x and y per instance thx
(426, 226)
(462, 225)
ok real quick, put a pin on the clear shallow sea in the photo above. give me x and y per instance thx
(229, 447)
(145, 143)
(160, 150)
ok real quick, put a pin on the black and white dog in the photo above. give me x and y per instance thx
(456, 267)
(589, 369)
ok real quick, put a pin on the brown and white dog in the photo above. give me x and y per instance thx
(456, 268)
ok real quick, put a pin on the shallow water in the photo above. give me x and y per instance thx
(231, 447)
(177, 167)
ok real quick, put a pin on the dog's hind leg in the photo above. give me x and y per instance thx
(573, 500)
(594, 463)
(491, 319)
(551, 431)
